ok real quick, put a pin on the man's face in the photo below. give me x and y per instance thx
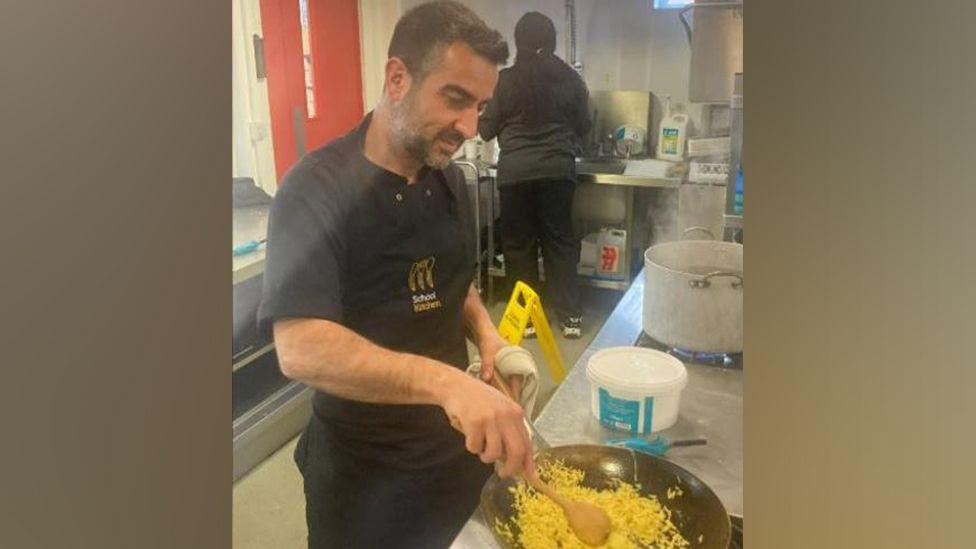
(438, 114)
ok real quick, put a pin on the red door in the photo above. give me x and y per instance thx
(315, 91)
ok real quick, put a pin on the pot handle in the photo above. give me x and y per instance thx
(705, 281)
(702, 229)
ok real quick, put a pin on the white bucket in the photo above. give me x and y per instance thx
(635, 389)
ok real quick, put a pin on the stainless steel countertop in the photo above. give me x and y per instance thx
(586, 175)
(627, 180)
(711, 408)
(596, 171)
(249, 223)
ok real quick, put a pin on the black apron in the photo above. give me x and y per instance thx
(396, 475)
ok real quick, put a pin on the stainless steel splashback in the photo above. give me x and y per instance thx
(615, 108)
(716, 51)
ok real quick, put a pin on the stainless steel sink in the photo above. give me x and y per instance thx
(635, 172)
(601, 165)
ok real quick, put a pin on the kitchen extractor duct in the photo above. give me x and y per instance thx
(716, 49)
(571, 36)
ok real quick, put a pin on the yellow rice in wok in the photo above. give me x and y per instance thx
(542, 524)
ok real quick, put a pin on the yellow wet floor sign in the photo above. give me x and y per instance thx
(524, 306)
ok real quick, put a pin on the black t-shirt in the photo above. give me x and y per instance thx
(548, 149)
(353, 243)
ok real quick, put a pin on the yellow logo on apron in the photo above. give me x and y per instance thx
(420, 280)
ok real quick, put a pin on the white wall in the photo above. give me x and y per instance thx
(253, 153)
(623, 44)
(627, 45)
(377, 18)
(241, 155)
(503, 14)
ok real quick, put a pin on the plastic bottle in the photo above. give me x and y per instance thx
(737, 206)
(672, 134)
(611, 244)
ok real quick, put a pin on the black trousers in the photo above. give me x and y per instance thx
(540, 213)
(352, 503)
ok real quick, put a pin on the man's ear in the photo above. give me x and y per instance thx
(397, 80)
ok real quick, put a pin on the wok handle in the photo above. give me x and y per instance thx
(705, 281)
(502, 385)
(689, 442)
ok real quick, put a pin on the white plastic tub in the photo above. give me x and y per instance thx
(634, 389)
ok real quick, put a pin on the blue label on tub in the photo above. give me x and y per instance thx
(648, 415)
(618, 413)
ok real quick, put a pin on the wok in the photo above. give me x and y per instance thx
(697, 512)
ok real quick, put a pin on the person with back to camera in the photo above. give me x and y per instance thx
(540, 115)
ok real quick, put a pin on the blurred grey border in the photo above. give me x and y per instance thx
(858, 136)
(115, 212)
(116, 229)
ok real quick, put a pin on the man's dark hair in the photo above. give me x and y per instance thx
(422, 33)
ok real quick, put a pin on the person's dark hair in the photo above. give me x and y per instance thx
(422, 33)
(537, 70)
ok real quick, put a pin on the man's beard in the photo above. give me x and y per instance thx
(407, 130)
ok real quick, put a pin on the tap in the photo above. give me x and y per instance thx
(608, 142)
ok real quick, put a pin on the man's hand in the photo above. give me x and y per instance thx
(488, 346)
(492, 425)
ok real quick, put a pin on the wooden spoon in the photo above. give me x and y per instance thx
(590, 523)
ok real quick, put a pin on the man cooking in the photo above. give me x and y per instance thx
(367, 291)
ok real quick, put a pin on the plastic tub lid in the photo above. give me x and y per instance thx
(636, 369)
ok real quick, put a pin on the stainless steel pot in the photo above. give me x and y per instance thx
(693, 295)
